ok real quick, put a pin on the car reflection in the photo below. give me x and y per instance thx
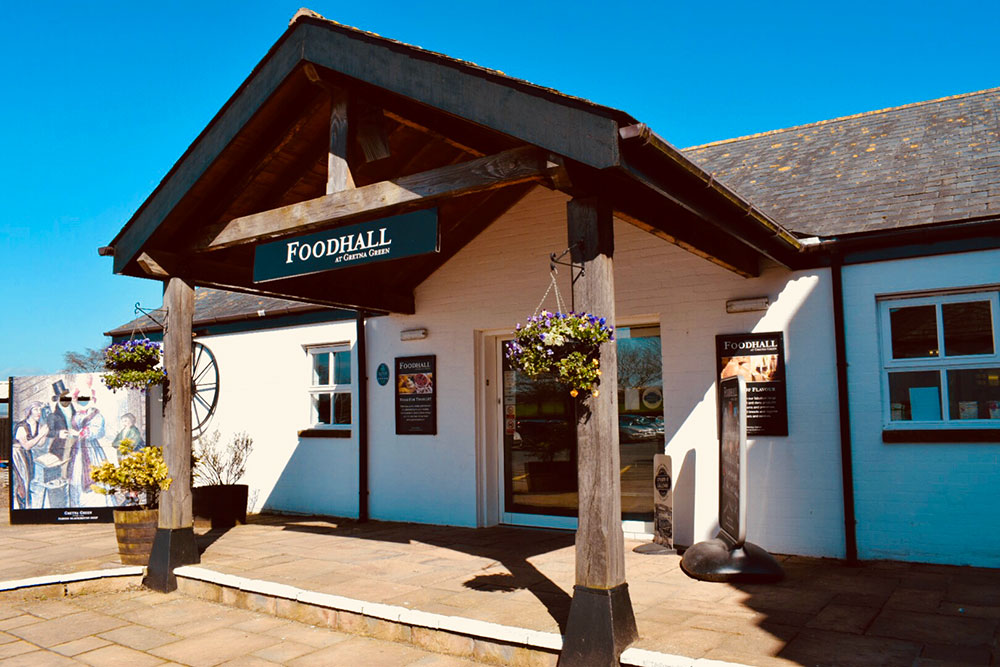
(639, 428)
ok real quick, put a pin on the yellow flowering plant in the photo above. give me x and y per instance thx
(139, 475)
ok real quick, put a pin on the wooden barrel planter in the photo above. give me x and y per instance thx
(135, 530)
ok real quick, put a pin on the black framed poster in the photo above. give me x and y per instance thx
(416, 395)
(759, 358)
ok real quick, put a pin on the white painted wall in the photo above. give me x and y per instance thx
(497, 280)
(930, 502)
(263, 380)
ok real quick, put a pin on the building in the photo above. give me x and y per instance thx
(869, 243)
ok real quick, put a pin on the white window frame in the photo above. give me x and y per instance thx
(941, 363)
(332, 388)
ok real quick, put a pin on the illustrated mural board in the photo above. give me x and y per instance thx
(62, 427)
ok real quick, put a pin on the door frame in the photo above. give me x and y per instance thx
(490, 462)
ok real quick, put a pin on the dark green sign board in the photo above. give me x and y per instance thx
(374, 241)
(382, 375)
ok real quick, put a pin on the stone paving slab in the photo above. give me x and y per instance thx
(79, 634)
(823, 613)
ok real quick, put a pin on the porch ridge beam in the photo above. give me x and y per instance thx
(421, 190)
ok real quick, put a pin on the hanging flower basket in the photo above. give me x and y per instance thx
(133, 364)
(564, 344)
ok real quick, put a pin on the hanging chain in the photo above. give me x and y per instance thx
(552, 284)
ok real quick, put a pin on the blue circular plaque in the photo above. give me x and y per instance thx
(382, 374)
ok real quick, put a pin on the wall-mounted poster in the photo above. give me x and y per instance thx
(416, 395)
(759, 358)
(733, 459)
(63, 426)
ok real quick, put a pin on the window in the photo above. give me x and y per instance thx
(941, 362)
(330, 386)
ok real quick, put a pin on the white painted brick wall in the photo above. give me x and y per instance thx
(931, 502)
(497, 280)
(263, 381)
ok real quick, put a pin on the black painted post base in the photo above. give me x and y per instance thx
(717, 560)
(601, 625)
(172, 547)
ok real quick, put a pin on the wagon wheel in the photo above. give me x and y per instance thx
(204, 387)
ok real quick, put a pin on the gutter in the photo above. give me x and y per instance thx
(786, 241)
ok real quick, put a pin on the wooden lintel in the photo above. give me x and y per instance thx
(424, 189)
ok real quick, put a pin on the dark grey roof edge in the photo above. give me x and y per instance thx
(840, 119)
(145, 323)
(306, 14)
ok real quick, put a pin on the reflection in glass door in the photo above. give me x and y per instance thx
(539, 444)
(539, 434)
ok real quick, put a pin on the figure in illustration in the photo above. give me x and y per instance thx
(28, 433)
(87, 427)
(51, 468)
(129, 431)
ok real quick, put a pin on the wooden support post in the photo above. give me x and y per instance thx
(174, 544)
(601, 621)
(338, 172)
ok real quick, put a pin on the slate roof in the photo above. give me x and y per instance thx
(212, 306)
(929, 162)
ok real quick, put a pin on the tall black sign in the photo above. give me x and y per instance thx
(759, 358)
(416, 395)
(732, 460)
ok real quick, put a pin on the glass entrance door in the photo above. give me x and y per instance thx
(539, 448)
(539, 483)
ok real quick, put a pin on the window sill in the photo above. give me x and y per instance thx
(325, 433)
(917, 436)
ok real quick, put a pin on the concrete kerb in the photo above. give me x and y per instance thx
(75, 583)
(464, 637)
(401, 623)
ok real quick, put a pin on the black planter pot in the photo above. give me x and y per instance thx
(224, 504)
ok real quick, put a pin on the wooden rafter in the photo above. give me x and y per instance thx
(419, 190)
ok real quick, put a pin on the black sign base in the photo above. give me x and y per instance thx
(716, 560)
(654, 549)
(601, 625)
(172, 547)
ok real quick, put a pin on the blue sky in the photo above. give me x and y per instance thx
(100, 98)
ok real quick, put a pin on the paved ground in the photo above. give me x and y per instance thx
(824, 613)
(139, 628)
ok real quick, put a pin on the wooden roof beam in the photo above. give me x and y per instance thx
(421, 190)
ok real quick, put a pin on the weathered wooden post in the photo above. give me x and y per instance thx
(601, 621)
(174, 544)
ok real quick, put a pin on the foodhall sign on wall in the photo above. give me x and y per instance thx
(375, 241)
(759, 358)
